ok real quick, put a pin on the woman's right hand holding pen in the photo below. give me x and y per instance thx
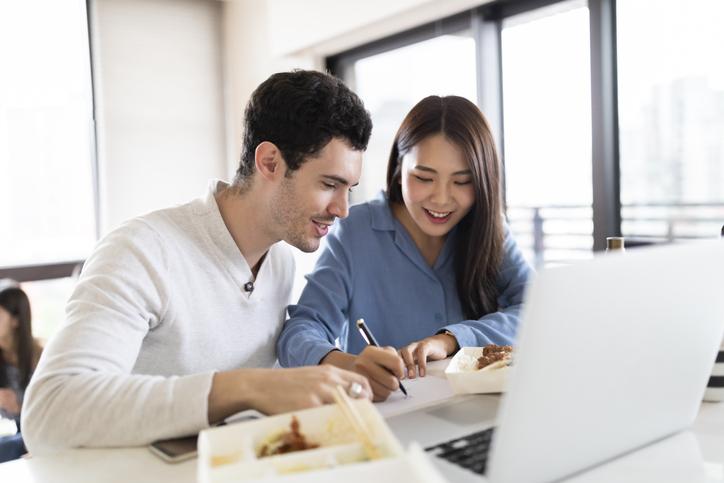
(382, 366)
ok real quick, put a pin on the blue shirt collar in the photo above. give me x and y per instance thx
(381, 219)
(380, 213)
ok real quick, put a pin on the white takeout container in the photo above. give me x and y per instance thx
(413, 466)
(474, 381)
(229, 453)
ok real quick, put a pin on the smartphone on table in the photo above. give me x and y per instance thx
(176, 450)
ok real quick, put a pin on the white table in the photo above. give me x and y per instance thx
(694, 456)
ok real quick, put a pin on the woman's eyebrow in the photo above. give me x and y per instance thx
(424, 168)
(456, 173)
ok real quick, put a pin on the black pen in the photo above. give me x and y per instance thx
(370, 339)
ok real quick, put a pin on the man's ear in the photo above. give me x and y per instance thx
(269, 162)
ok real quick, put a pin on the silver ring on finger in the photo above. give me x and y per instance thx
(355, 390)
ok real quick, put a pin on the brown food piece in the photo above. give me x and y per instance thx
(292, 440)
(492, 348)
(494, 353)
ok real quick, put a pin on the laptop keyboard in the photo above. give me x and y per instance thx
(470, 451)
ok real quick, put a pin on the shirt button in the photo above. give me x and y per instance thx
(438, 317)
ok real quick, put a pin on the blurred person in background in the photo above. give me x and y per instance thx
(19, 354)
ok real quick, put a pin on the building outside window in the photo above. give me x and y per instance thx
(671, 118)
(547, 125)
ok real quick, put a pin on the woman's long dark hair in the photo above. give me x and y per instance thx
(17, 304)
(479, 249)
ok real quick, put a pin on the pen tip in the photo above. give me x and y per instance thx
(360, 322)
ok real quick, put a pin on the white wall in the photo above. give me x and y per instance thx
(159, 91)
(247, 36)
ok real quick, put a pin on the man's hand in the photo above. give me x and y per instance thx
(429, 349)
(273, 391)
(9, 401)
(304, 387)
(381, 365)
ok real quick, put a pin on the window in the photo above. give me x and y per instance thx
(46, 134)
(46, 150)
(671, 118)
(47, 304)
(547, 125)
(531, 64)
(391, 83)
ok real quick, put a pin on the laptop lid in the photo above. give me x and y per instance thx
(613, 354)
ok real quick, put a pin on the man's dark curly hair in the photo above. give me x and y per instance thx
(301, 112)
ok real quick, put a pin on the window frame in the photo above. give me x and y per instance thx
(485, 22)
(67, 268)
(47, 271)
(340, 64)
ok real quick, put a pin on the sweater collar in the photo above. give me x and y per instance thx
(218, 233)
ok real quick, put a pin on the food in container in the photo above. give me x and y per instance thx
(237, 452)
(466, 376)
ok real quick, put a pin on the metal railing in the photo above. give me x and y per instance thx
(564, 233)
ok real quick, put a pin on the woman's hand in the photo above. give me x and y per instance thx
(429, 349)
(9, 401)
(382, 366)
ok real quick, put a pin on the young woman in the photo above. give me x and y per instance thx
(430, 264)
(19, 354)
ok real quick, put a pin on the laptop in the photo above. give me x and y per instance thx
(613, 354)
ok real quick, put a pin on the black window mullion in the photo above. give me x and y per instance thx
(49, 271)
(604, 112)
(489, 71)
(501, 9)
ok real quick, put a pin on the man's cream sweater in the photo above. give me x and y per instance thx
(159, 307)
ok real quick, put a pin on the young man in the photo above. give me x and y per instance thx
(172, 325)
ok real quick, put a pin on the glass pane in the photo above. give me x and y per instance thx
(46, 189)
(392, 82)
(671, 118)
(47, 303)
(547, 126)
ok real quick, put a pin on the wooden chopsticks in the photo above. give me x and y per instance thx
(355, 419)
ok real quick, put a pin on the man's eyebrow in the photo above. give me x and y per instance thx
(339, 180)
(456, 173)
